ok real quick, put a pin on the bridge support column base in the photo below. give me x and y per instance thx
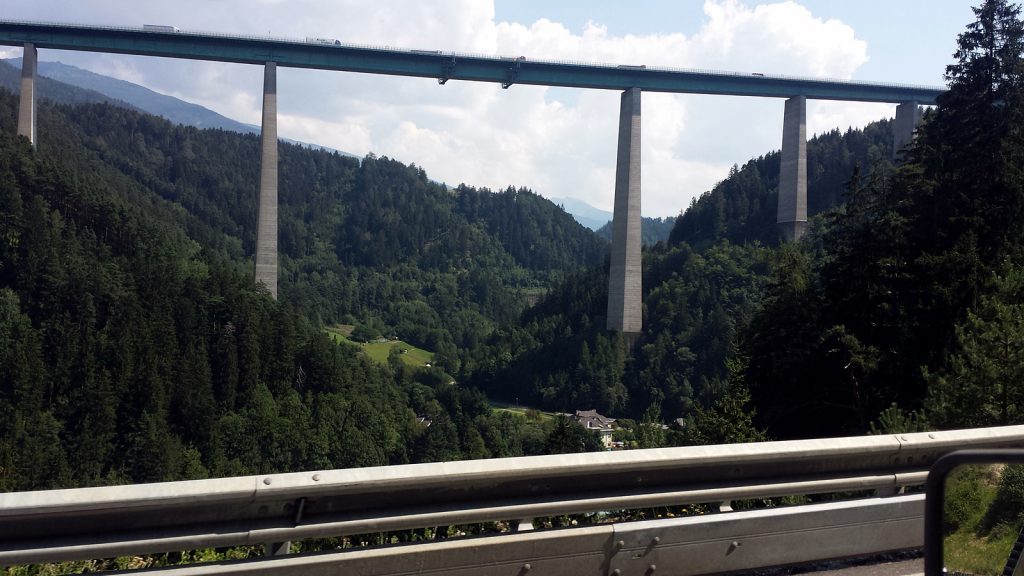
(277, 548)
(908, 115)
(792, 231)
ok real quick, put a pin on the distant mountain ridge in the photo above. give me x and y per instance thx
(585, 214)
(53, 76)
(48, 88)
(652, 230)
(137, 97)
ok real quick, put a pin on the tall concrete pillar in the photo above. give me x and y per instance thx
(27, 100)
(792, 213)
(908, 115)
(625, 313)
(266, 217)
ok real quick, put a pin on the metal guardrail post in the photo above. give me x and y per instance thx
(277, 548)
(525, 525)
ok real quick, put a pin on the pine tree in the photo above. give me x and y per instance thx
(971, 153)
(649, 432)
(964, 199)
(983, 384)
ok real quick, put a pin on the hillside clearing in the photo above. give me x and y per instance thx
(379, 351)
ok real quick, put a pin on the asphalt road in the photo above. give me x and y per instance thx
(910, 563)
(913, 567)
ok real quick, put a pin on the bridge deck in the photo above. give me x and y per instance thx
(445, 65)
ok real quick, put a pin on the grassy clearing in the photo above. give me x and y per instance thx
(524, 411)
(970, 554)
(412, 356)
(379, 351)
(970, 492)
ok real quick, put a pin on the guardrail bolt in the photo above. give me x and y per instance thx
(620, 544)
(526, 567)
(652, 568)
(316, 477)
(616, 572)
(267, 481)
(657, 539)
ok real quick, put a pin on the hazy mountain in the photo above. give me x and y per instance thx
(142, 98)
(653, 230)
(584, 213)
(100, 88)
(10, 78)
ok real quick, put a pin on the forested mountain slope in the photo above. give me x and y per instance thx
(359, 241)
(912, 294)
(652, 230)
(135, 347)
(701, 290)
(742, 208)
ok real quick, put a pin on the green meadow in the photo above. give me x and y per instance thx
(379, 351)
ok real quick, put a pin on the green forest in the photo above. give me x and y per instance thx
(134, 346)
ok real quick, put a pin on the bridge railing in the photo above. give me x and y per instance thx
(102, 522)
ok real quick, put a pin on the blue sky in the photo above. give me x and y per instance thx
(558, 142)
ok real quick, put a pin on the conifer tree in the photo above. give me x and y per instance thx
(969, 198)
(983, 383)
(964, 190)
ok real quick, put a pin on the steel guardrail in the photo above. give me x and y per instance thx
(45, 526)
(713, 544)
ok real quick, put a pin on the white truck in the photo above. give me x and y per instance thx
(159, 28)
(327, 41)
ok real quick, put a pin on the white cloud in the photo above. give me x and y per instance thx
(825, 115)
(556, 142)
(781, 38)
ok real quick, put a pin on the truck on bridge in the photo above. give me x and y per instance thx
(160, 28)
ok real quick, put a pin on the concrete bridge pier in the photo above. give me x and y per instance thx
(792, 211)
(908, 116)
(266, 214)
(27, 100)
(625, 308)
